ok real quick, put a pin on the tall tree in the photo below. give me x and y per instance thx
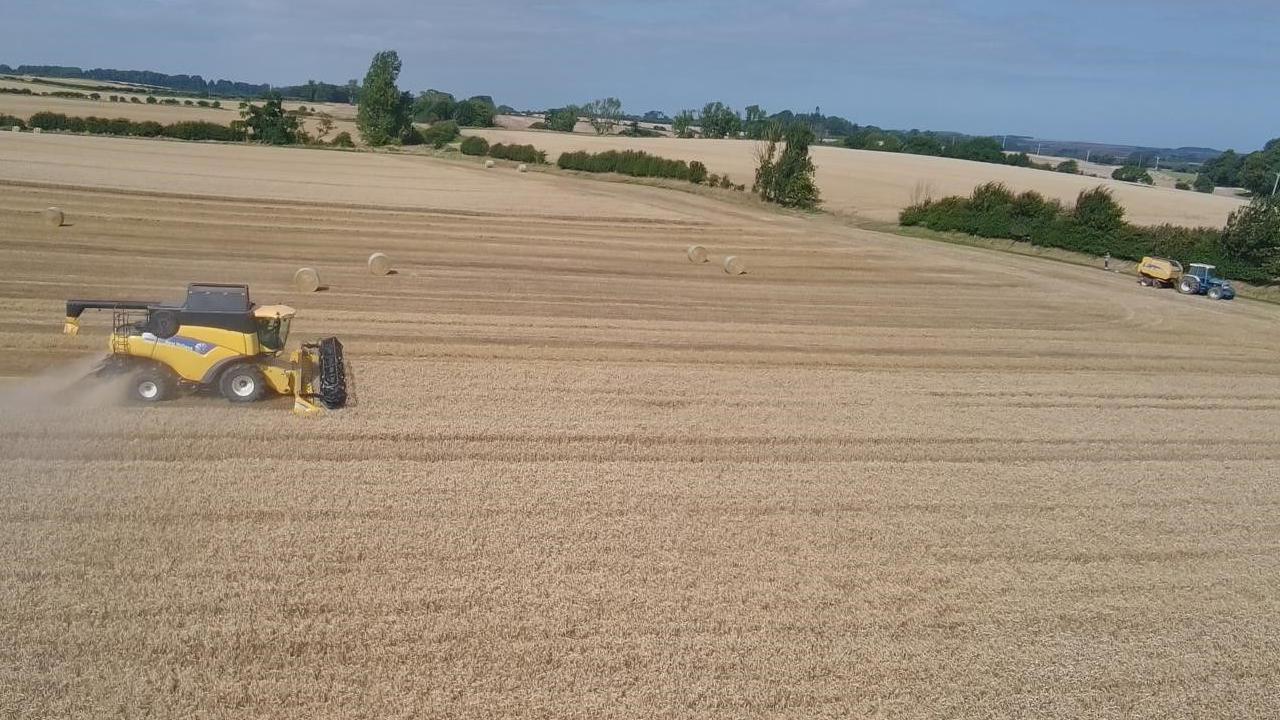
(383, 115)
(604, 114)
(787, 179)
(682, 124)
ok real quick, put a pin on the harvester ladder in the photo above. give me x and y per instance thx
(121, 327)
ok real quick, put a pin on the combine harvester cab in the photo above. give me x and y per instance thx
(1200, 279)
(216, 340)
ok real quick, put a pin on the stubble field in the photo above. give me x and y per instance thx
(875, 476)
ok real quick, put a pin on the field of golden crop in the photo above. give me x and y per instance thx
(875, 476)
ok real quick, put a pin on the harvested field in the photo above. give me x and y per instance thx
(584, 477)
(877, 185)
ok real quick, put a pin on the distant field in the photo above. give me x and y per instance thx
(877, 185)
(27, 105)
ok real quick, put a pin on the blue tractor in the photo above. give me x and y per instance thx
(1200, 280)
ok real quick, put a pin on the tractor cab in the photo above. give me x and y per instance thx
(1200, 279)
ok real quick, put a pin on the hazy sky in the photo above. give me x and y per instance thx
(1154, 72)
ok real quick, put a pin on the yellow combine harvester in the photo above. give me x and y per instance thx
(218, 340)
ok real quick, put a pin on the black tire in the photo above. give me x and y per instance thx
(152, 384)
(242, 382)
(1215, 293)
(1189, 285)
(164, 323)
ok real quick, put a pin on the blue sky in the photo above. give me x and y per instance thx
(1154, 72)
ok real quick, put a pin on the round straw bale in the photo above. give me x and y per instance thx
(522, 168)
(37, 130)
(696, 253)
(379, 264)
(53, 216)
(306, 280)
(734, 266)
(489, 163)
(16, 128)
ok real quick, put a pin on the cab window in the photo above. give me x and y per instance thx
(272, 333)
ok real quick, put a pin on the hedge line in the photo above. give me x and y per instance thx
(185, 130)
(519, 153)
(636, 163)
(1095, 225)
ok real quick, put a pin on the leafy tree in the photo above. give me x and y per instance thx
(343, 139)
(682, 124)
(563, 119)
(1068, 166)
(434, 106)
(718, 121)
(1258, 172)
(1253, 234)
(604, 114)
(656, 116)
(474, 113)
(1098, 210)
(269, 123)
(151, 100)
(383, 114)
(1203, 183)
(1182, 185)
(787, 179)
(756, 120)
(1132, 173)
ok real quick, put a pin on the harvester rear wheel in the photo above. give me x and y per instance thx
(152, 384)
(1189, 285)
(243, 382)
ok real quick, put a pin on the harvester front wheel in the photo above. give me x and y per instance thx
(152, 384)
(243, 382)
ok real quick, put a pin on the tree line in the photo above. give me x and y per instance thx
(196, 85)
(1255, 171)
(1247, 249)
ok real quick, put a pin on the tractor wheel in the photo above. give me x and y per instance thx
(1215, 293)
(1189, 285)
(243, 382)
(152, 384)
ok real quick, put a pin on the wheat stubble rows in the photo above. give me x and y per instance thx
(585, 478)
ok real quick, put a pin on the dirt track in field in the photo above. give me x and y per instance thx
(586, 478)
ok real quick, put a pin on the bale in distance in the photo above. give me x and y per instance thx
(734, 266)
(53, 216)
(16, 128)
(522, 168)
(37, 130)
(379, 264)
(696, 254)
(489, 163)
(306, 280)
